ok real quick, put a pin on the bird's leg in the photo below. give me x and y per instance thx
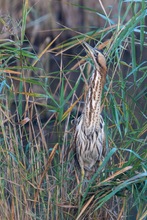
(82, 179)
(80, 188)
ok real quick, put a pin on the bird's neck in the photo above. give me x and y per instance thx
(92, 108)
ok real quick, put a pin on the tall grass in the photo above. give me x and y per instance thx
(38, 176)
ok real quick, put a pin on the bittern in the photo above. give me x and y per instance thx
(89, 129)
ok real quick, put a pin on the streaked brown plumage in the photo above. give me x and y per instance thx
(89, 131)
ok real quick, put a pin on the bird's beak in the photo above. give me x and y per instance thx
(89, 49)
(97, 57)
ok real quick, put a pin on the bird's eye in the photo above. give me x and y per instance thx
(97, 57)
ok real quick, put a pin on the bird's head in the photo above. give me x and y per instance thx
(97, 57)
